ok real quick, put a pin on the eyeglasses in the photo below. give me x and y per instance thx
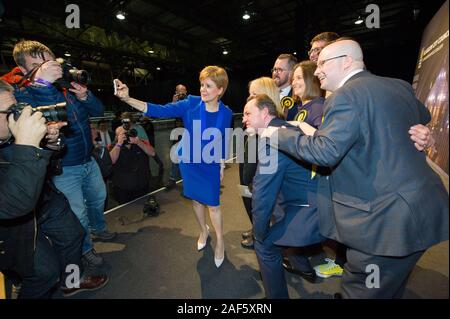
(321, 63)
(277, 70)
(315, 50)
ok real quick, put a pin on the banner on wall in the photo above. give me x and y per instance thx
(431, 83)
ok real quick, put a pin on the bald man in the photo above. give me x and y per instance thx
(382, 200)
(180, 93)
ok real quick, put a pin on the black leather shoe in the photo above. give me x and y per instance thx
(247, 243)
(310, 276)
(247, 234)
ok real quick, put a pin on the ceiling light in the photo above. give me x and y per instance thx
(158, 68)
(224, 52)
(120, 15)
(295, 53)
(67, 54)
(359, 20)
(151, 51)
(245, 16)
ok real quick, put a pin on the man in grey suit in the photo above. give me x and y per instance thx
(382, 200)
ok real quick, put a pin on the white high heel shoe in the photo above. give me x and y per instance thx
(219, 261)
(200, 245)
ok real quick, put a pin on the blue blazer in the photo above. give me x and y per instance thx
(191, 109)
(290, 192)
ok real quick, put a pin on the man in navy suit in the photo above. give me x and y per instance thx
(382, 200)
(282, 186)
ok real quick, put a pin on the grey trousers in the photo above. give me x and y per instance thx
(360, 280)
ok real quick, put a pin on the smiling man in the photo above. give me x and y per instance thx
(382, 200)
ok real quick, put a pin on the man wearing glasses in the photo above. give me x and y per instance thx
(384, 202)
(319, 42)
(282, 75)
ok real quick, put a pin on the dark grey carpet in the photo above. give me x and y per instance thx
(157, 257)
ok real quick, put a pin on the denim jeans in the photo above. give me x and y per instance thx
(85, 189)
(175, 172)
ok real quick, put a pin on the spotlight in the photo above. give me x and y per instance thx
(120, 15)
(295, 53)
(225, 52)
(158, 68)
(151, 51)
(67, 54)
(359, 20)
(245, 16)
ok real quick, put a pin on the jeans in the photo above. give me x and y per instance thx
(84, 188)
(175, 172)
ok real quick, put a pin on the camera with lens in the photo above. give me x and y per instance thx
(72, 74)
(129, 132)
(52, 113)
(180, 96)
(151, 207)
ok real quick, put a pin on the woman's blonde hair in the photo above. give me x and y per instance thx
(217, 74)
(267, 86)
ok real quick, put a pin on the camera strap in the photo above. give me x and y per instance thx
(29, 77)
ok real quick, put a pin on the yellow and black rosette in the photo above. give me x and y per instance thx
(301, 116)
(287, 102)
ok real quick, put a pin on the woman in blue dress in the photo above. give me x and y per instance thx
(203, 148)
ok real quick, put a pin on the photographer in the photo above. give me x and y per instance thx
(39, 234)
(175, 175)
(39, 79)
(130, 156)
(180, 93)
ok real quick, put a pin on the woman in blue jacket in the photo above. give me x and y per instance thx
(203, 148)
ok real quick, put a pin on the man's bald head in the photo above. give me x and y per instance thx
(350, 48)
(336, 61)
(180, 88)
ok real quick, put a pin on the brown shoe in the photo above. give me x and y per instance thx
(89, 283)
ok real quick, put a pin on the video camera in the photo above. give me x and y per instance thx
(52, 113)
(180, 96)
(72, 74)
(129, 132)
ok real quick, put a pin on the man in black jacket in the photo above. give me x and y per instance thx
(39, 234)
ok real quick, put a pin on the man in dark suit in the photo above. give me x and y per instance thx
(383, 201)
(282, 75)
(284, 187)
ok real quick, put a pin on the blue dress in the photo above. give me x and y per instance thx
(204, 143)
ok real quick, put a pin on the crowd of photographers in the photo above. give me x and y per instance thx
(54, 166)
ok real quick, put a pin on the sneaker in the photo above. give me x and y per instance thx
(103, 236)
(329, 269)
(90, 283)
(91, 259)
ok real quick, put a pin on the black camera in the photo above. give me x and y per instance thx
(52, 113)
(72, 74)
(129, 132)
(181, 96)
(151, 207)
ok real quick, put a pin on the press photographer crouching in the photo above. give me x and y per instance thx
(130, 157)
(39, 234)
